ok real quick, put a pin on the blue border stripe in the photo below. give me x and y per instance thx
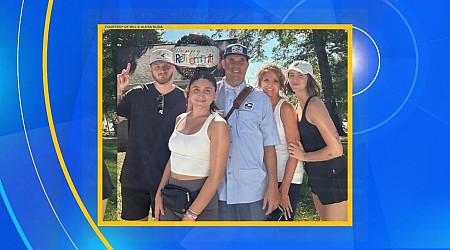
(13, 217)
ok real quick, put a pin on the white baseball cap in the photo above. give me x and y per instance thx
(161, 55)
(303, 67)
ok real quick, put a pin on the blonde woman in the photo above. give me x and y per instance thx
(290, 171)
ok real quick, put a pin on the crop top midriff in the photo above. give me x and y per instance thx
(190, 154)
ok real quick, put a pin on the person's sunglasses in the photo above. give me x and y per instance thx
(160, 107)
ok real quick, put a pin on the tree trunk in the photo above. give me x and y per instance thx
(327, 81)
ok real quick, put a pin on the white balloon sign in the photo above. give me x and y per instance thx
(196, 56)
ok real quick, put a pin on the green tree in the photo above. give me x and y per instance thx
(325, 49)
(119, 48)
(319, 37)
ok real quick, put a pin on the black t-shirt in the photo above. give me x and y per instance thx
(148, 134)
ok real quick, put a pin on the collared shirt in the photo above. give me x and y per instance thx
(251, 127)
(231, 94)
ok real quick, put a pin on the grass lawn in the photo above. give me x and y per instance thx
(306, 211)
(110, 158)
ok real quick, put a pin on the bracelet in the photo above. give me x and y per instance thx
(190, 215)
(192, 212)
(285, 195)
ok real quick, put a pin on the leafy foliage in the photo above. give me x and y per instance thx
(288, 45)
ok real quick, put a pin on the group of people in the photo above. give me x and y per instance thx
(244, 167)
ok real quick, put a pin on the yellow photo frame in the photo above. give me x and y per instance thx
(200, 28)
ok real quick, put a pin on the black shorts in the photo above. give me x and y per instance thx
(328, 179)
(136, 203)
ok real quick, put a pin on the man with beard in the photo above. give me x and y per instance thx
(151, 110)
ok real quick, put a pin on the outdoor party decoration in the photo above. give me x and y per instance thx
(193, 52)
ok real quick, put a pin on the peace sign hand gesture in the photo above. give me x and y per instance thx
(123, 79)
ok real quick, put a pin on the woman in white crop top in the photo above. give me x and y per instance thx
(290, 171)
(199, 147)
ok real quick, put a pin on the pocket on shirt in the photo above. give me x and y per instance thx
(249, 121)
